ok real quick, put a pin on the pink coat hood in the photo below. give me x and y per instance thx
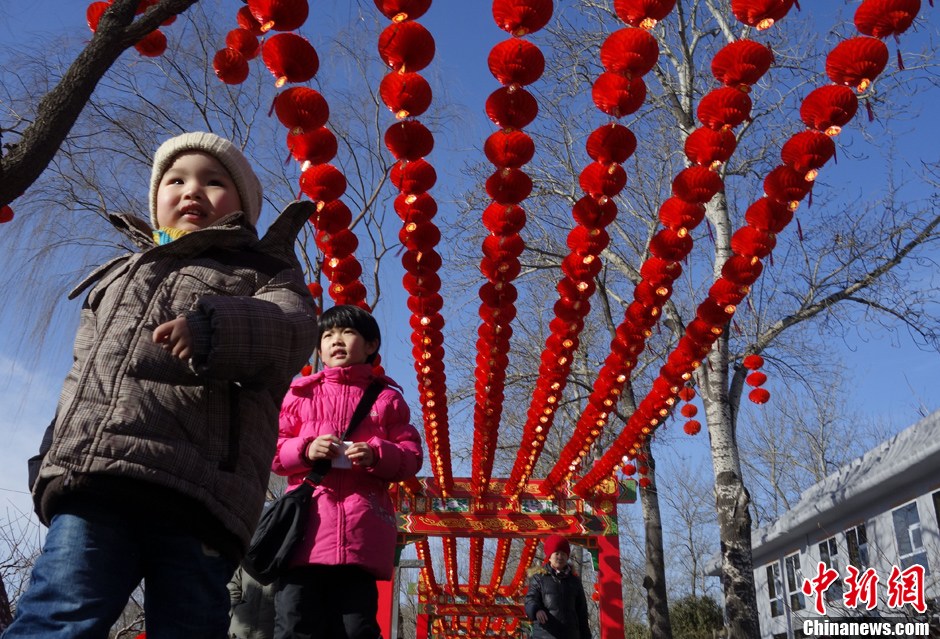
(352, 521)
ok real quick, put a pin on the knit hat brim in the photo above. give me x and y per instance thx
(229, 155)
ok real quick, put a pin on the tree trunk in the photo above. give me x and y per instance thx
(655, 580)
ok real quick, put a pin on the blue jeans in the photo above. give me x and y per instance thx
(92, 561)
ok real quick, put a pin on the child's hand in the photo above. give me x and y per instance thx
(323, 447)
(361, 454)
(175, 337)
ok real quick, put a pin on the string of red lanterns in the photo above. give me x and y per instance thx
(407, 47)
(825, 110)
(515, 63)
(738, 65)
(627, 55)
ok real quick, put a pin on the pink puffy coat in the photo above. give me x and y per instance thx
(352, 521)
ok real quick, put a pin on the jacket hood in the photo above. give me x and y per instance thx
(357, 374)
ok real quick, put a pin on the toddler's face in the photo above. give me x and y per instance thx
(343, 346)
(195, 192)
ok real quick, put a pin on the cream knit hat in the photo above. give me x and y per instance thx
(246, 182)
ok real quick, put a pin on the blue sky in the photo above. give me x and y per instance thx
(891, 378)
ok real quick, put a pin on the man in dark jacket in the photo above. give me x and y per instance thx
(555, 601)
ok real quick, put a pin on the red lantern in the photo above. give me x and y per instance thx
(6, 214)
(710, 147)
(152, 45)
(671, 245)
(419, 236)
(687, 393)
(230, 66)
(807, 151)
(301, 109)
(658, 271)
(599, 179)
(629, 469)
(768, 214)
(339, 244)
(629, 52)
(290, 58)
(509, 149)
(279, 15)
(587, 241)
(742, 269)
(406, 46)
(412, 207)
(697, 184)
(618, 96)
(401, 10)
(247, 21)
(501, 247)
(759, 396)
(332, 217)
(689, 410)
(503, 270)
(713, 314)
(611, 143)
(705, 332)
(323, 183)
(343, 270)
(724, 107)
(94, 12)
(594, 213)
(752, 362)
(742, 62)
(413, 177)
(752, 242)
(316, 146)
(882, 18)
(756, 379)
(243, 41)
(856, 62)
(645, 482)
(511, 108)
(726, 292)
(692, 427)
(786, 184)
(829, 108)
(521, 17)
(643, 13)
(503, 219)
(581, 268)
(761, 14)
(421, 261)
(516, 61)
(509, 186)
(676, 213)
(409, 140)
(406, 94)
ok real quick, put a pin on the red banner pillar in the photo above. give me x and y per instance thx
(386, 613)
(422, 626)
(610, 587)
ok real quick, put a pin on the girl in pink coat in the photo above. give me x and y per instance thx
(331, 592)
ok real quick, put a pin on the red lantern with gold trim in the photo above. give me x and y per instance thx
(417, 176)
(829, 108)
(316, 146)
(643, 13)
(279, 15)
(742, 269)
(617, 95)
(339, 244)
(761, 14)
(401, 10)
(412, 207)
(768, 214)
(697, 184)
(603, 179)
(752, 242)
(856, 62)
(611, 143)
(516, 61)
(290, 58)
(587, 241)
(230, 66)
(511, 108)
(724, 107)
(786, 184)
(676, 213)
(807, 151)
(710, 147)
(243, 41)
(742, 62)
(521, 17)
(332, 216)
(406, 94)
(882, 18)
(671, 245)
(301, 109)
(323, 182)
(342, 270)
(152, 45)
(409, 140)
(594, 213)
(419, 236)
(629, 52)
(509, 148)
(406, 46)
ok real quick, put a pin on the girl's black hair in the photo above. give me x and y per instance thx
(348, 316)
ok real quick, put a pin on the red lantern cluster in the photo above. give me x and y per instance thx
(756, 379)
(151, 45)
(515, 63)
(407, 47)
(627, 55)
(689, 411)
(825, 110)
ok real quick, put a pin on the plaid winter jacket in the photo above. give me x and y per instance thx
(201, 434)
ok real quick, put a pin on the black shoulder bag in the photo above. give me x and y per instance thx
(284, 522)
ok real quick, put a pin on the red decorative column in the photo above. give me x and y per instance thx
(386, 612)
(422, 625)
(609, 587)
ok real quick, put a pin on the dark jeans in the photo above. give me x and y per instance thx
(327, 602)
(93, 559)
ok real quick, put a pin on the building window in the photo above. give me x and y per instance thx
(936, 506)
(794, 582)
(857, 541)
(908, 534)
(774, 589)
(829, 555)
